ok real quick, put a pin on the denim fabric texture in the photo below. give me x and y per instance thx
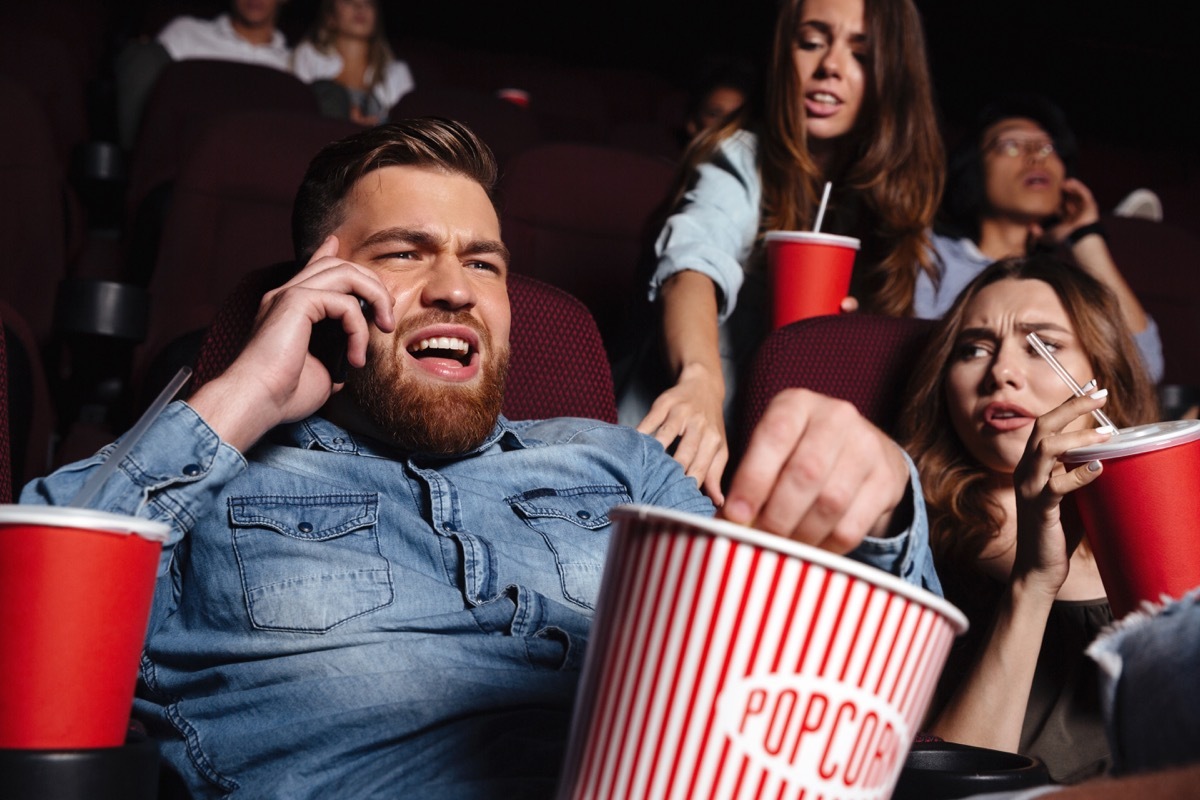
(1149, 662)
(714, 229)
(336, 619)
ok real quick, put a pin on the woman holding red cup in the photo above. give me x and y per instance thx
(848, 102)
(987, 421)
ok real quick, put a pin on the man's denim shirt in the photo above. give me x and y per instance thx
(336, 619)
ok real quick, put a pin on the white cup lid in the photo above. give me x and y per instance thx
(70, 517)
(812, 237)
(1138, 439)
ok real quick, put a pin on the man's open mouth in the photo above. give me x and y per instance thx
(445, 347)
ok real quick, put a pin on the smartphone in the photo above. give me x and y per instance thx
(328, 343)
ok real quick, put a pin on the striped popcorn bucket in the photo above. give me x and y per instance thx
(729, 663)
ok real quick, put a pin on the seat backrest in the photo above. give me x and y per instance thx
(505, 127)
(567, 101)
(862, 358)
(33, 223)
(1161, 262)
(581, 217)
(188, 94)
(558, 366)
(84, 27)
(43, 64)
(230, 213)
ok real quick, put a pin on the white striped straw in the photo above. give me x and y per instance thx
(1106, 424)
(821, 210)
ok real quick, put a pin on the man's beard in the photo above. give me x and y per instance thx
(424, 416)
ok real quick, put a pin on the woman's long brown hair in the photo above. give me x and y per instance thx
(893, 181)
(962, 517)
(379, 53)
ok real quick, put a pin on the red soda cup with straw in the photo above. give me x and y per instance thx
(809, 271)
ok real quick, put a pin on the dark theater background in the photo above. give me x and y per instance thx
(1121, 70)
(1126, 75)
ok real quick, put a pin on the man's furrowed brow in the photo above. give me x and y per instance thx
(483, 247)
(427, 241)
(413, 236)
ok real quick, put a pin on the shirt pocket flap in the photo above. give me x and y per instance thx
(587, 507)
(314, 518)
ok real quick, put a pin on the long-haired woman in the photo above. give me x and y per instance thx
(347, 59)
(848, 100)
(986, 422)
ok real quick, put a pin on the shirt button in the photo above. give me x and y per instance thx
(339, 440)
(305, 527)
(191, 470)
(449, 526)
(583, 515)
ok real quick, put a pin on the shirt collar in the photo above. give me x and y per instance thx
(318, 433)
(225, 24)
(973, 250)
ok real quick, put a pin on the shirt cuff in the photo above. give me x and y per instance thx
(172, 474)
(906, 555)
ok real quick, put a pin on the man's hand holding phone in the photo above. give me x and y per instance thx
(278, 377)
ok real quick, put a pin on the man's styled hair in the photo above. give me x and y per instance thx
(427, 142)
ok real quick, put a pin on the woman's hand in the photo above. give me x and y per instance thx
(1043, 549)
(692, 412)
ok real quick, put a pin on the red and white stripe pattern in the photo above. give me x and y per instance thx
(721, 669)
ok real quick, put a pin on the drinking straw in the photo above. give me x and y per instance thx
(821, 210)
(98, 478)
(1106, 424)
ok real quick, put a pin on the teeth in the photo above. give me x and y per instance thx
(824, 97)
(441, 343)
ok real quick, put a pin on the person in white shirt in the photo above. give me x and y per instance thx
(347, 59)
(248, 33)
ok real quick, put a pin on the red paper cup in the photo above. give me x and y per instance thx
(1141, 514)
(75, 592)
(729, 663)
(810, 273)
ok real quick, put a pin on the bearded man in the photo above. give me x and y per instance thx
(386, 591)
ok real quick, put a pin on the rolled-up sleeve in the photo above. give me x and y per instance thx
(172, 474)
(1149, 344)
(714, 229)
(906, 555)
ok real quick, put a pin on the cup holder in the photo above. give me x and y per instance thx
(946, 770)
(130, 772)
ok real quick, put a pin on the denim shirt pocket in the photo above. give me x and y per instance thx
(309, 563)
(574, 524)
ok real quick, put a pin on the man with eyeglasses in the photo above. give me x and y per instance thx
(1010, 190)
